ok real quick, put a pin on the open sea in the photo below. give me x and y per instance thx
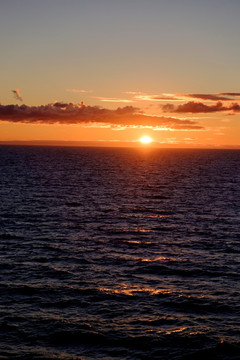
(115, 253)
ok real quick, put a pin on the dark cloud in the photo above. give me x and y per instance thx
(69, 113)
(230, 94)
(198, 107)
(212, 97)
(61, 105)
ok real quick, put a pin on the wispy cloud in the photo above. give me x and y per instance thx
(230, 94)
(199, 107)
(210, 97)
(182, 97)
(78, 91)
(17, 95)
(115, 100)
(133, 92)
(69, 113)
(161, 97)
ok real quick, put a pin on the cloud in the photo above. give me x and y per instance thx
(211, 97)
(133, 92)
(161, 97)
(17, 95)
(69, 113)
(116, 100)
(182, 97)
(199, 107)
(230, 94)
(78, 91)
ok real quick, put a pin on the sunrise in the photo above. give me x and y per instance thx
(119, 181)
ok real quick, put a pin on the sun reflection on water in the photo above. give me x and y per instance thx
(125, 289)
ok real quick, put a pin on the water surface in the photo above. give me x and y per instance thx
(119, 253)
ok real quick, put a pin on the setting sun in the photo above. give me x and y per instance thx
(146, 140)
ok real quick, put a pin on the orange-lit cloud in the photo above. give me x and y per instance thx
(182, 97)
(69, 113)
(199, 107)
(161, 97)
(17, 95)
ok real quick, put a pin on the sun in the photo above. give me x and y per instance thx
(146, 140)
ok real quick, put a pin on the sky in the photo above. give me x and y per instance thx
(108, 71)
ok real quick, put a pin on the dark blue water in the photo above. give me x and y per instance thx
(119, 254)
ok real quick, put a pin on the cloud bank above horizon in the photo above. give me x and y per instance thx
(80, 114)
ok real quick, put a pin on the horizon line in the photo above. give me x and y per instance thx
(115, 144)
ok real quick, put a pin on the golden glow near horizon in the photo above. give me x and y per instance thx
(145, 140)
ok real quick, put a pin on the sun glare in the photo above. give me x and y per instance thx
(146, 140)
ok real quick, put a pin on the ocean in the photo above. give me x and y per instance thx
(109, 253)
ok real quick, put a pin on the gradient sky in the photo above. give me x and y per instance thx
(168, 69)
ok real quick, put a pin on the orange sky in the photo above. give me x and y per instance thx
(102, 72)
(184, 121)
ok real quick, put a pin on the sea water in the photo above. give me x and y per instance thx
(109, 253)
